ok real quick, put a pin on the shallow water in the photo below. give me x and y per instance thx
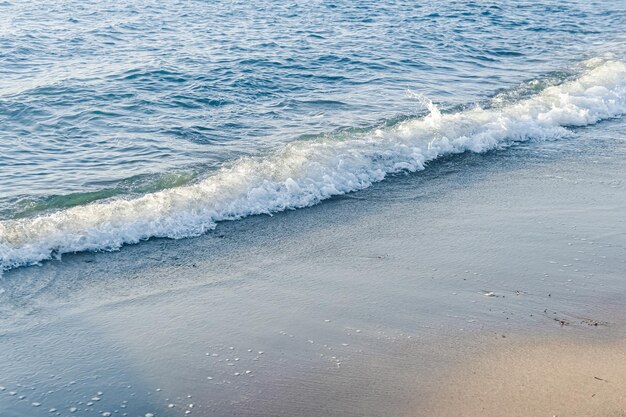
(112, 103)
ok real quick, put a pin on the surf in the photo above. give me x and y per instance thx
(306, 172)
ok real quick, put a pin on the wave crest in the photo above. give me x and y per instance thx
(306, 172)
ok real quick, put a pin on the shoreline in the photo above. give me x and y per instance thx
(364, 305)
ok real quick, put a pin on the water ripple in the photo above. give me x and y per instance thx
(94, 92)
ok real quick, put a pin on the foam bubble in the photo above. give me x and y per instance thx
(304, 173)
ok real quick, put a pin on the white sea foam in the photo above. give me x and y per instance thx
(303, 173)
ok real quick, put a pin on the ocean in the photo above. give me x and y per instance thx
(144, 119)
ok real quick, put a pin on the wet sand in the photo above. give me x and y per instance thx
(485, 283)
(554, 377)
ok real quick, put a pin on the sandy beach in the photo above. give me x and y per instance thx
(564, 376)
(488, 284)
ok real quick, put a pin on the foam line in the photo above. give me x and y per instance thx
(304, 173)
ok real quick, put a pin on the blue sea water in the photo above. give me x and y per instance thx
(122, 122)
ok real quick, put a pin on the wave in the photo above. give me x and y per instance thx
(304, 173)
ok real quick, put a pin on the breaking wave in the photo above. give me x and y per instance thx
(304, 173)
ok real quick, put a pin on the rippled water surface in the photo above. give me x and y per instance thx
(93, 93)
(102, 101)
